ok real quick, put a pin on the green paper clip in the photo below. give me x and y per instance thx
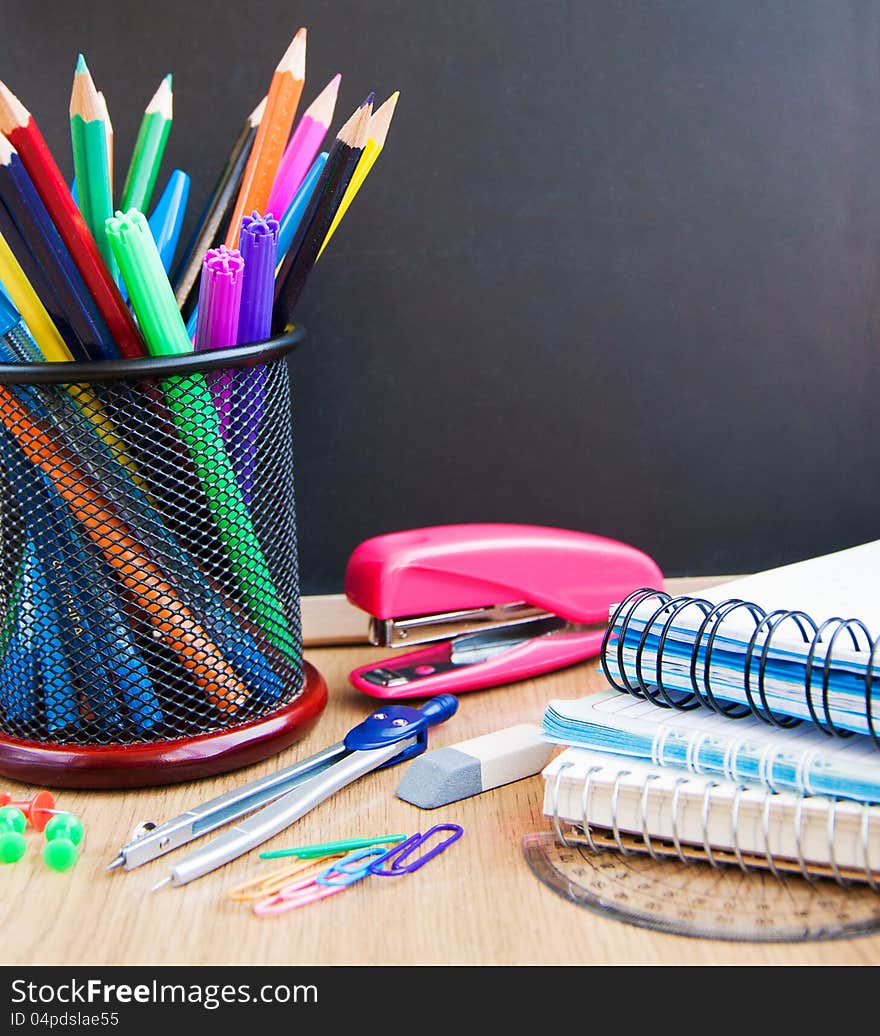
(310, 852)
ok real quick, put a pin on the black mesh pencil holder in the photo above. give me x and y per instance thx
(149, 608)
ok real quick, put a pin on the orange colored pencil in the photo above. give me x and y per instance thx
(282, 101)
(173, 620)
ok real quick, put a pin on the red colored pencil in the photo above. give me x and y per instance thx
(22, 131)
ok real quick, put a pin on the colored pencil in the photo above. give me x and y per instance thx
(149, 149)
(166, 219)
(88, 134)
(304, 144)
(296, 209)
(31, 235)
(212, 224)
(335, 177)
(21, 292)
(108, 130)
(282, 100)
(377, 133)
(174, 622)
(22, 131)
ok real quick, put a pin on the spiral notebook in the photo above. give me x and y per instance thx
(801, 760)
(795, 643)
(606, 802)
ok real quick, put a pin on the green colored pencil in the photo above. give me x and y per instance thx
(192, 409)
(89, 137)
(148, 150)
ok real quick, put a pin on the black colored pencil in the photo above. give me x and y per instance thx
(211, 228)
(33, 240)
(325, 200)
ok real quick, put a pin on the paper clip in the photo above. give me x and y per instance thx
(272, 883)
(305, 852)
(335, 878)
(400, 853)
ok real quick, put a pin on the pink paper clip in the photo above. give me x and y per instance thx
(396, 857)
(335, 878)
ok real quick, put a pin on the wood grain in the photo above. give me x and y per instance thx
(476, 904)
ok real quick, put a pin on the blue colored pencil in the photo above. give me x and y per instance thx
(294, 214)
(31, 235)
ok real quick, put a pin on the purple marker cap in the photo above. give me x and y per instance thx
(259, 244)
(219, 299)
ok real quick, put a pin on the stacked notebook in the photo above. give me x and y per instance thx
(740, 726)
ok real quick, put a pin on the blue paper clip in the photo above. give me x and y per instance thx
(343, 872)
(400, 853)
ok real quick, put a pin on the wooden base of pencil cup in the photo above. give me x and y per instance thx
(166, 762)
(150, 627)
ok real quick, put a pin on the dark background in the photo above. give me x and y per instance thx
(616, 269)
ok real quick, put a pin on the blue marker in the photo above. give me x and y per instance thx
(166, 218)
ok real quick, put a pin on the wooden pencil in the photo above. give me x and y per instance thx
(108, 129)
(315, 223)
(282, 100)
(149, 149)
(305, 142)
(28, 230)
(380, 122)
(88, 135)
(211, 227)
(22, 131)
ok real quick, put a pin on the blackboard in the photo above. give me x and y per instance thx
(617, 268)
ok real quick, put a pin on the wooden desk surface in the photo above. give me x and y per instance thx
(477, 904)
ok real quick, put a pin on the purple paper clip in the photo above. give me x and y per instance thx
(400, 853)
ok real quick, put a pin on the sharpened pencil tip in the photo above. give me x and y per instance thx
(118, 862)
(81, 65)
(169, 79)
(368, 99)
(164, 881)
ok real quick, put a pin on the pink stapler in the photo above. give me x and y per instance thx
(497, 603)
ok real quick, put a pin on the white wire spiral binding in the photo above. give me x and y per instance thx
(765, 823)
(734, 827)
(585, 805)
(615, 796)
(707, 795)
(799, 839)
(643, 814)
(676, 793)
(866, 851)
(556, 784)
(831, 830)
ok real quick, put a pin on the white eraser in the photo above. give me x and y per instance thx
(470, 767)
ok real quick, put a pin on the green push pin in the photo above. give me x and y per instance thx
(63, 833)
(12, 840)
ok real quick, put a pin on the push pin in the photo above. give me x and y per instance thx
(64, 832)
(38, 811)
(12, 840)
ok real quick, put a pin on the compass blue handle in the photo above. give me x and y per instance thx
(390, 723)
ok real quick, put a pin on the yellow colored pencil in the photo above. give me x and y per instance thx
(376, 134)
(33, 312)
